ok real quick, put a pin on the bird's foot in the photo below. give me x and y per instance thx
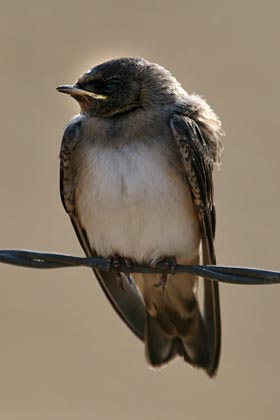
(168, 264)
(114, 262)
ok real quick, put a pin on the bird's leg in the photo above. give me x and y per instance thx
(168, 264)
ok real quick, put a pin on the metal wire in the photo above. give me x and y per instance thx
(224, 274)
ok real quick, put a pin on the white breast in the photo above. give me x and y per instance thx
(130, 203)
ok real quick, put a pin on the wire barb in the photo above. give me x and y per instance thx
(224, 274)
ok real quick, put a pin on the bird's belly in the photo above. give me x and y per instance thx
(131, 204)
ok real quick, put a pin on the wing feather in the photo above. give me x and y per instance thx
(198, 163)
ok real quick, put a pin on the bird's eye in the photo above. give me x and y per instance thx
(112, 85)
(101, 86)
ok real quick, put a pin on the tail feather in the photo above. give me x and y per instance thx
(162, 348)
(159, 346)
(175, 325)
(195, 346)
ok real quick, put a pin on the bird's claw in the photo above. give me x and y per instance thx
(168, 264)
(113, 262)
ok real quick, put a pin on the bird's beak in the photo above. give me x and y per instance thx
(74, 90)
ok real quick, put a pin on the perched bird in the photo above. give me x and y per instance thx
(136, 181)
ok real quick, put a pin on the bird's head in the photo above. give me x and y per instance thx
(122, 85)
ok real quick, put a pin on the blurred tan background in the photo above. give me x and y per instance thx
(64, 354)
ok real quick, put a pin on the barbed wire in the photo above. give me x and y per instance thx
(224, 274)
